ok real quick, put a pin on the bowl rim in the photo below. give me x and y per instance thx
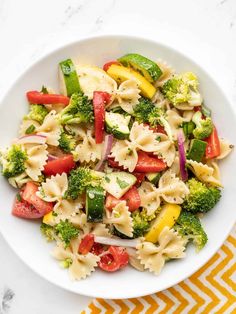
(82, 39)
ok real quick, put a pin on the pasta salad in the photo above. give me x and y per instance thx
(119, 167)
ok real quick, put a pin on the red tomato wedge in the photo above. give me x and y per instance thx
(22, 209)
(114, 164)
(147, 163)
(115, 258)
(158, 128)
(99, 101)
(58, 166)
(140, 177)
(35, 97)
(29, 196)
(131, 197)
(97, 249)
(213, 145)
(86, 244)
(108, 64)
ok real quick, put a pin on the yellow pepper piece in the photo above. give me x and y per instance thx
(48, 218)
(120, 74)
(167, 218)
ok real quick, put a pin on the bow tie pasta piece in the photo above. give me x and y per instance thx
(88, 150)
(80, 266)
(92, 78)
(125, 154)
(175, 166)
(153, 257)
(121, 219)
(172, 189)
(127, 95)
(150, 198)
(204, 172)
(144, 138)
(165, 149)
(54, 188)
(37, 159)
(167, 72)
(50, 128)
(225, 148)
(160, 101)
(141, 138)
(67, 210)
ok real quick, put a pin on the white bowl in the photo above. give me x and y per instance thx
(24, 236)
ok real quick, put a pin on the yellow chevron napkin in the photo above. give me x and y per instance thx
(211, 290)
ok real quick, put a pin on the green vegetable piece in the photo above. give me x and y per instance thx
(153, 177)
(79, 179)
(190, 228)
(143, 109)
(149, 69)
(204, 127)
(68, 78)
(117, 124)
(67, 142)
(37, 113)
(182, 88)
(44, 90)
(13, 161)
(95, 198)
(197, 150)
(206, 111)
(48, 232)
(188, 128)
(201, 198)
(30, 129)
(140, 224)
(80, 109)
(122, 184)
(66, 231)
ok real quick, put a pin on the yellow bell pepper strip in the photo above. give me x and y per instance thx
(47, 219)
(167, 218)
(120, 74)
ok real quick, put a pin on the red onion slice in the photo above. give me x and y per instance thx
(31, 139)
(105, 152)
(182, 156)
(117, 242)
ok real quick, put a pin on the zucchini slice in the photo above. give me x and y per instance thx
(153, 177)
(95, 198)
(118, 183)
(197, 150)
(117, 124)
(149, 69)
(120, 74)
(69, 82)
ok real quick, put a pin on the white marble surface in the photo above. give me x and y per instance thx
(204, 30)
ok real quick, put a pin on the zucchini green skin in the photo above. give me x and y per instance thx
(188, 128)
(70, 77)
(149, 69)
(197, 150)
(95, 198)
(153, 177)
(117, 134)
(114, 122)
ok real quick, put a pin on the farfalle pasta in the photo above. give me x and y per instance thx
(118, 165)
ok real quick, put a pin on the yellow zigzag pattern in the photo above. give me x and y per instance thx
(210, 290)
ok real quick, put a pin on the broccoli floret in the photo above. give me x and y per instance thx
(143, 109)
(80, 109)
(48, 232)
(13, 161)
(189, 226)
(66, 263)
(37, 113)
(182, 88)
(204, 127)
(79, 179)
(140, 224)
(67, 142)
(201, 198)
(66, 231)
